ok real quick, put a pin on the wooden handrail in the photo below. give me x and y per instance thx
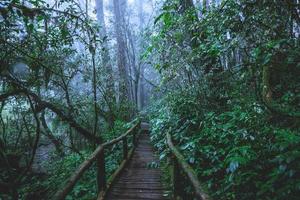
(179, 161)
(97, 154)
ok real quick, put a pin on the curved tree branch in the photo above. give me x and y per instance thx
(21, 90)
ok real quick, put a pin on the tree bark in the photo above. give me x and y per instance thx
(47, 132)
(121, 47)
(141, 67)
(106, 59)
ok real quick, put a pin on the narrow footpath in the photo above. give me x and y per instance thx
(139, 181)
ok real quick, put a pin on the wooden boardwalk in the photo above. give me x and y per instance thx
(136, 179)
(139, 181)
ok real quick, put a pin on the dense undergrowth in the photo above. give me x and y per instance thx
(86, 188)
(237, 153)
(59, 170)
(234, 116)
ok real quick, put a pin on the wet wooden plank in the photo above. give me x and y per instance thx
(139, 181)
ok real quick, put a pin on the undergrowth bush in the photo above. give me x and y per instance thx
(60, 170)
(238, 153)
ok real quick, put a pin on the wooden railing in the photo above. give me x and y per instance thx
(99, 157)
(179, 164)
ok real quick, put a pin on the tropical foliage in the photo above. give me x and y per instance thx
(231, 76)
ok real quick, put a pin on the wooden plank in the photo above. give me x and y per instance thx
(138, 181)
(136, 197)
(117, 173)
(112, 179)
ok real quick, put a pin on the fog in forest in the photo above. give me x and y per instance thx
(149, 99)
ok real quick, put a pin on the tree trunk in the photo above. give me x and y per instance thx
(121, 47)
(106, 59)
(47, 132)
(141, 67)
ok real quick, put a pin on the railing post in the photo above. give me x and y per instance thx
(134, 137)
(125, 148)
(136, 131)
(101, 179)
(176, 178)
